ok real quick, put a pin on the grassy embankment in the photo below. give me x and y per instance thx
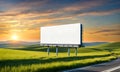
(35, 59)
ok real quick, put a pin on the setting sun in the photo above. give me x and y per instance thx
(14, 37)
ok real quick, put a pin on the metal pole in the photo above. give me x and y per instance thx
(56, 51)
(76, 51)
(68, 51)
(48, 50)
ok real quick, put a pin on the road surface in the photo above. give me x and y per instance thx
(112, 66)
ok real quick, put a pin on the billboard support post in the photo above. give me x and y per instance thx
(56, 51)
(76, 51)
(68, 51)
(48, 50)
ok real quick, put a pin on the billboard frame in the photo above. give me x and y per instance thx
(67, 45)
(76, 46)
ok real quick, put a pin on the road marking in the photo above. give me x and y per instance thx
(72, 70)
(112, 69)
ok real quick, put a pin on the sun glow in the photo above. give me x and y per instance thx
(14, 37)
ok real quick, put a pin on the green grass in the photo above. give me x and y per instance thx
(34, 58)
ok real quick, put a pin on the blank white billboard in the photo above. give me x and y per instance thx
(61, 34)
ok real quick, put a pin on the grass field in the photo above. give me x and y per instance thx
(34, 58)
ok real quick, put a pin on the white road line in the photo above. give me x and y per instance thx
(72, 70)
(112, 69)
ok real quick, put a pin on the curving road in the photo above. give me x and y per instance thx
(112, 66)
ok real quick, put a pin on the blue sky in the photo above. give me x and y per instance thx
(100, 18)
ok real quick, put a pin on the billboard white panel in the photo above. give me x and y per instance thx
(61, 34)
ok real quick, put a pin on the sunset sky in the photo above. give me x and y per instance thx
(22, 19)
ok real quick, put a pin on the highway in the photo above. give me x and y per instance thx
(112, 66)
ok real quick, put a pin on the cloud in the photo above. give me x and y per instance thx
(4, 32)
(98, 13)
(58, 9)
(112, 34)
(107, 32)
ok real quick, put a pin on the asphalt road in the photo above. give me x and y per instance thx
(117, 70)
(112, 66)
